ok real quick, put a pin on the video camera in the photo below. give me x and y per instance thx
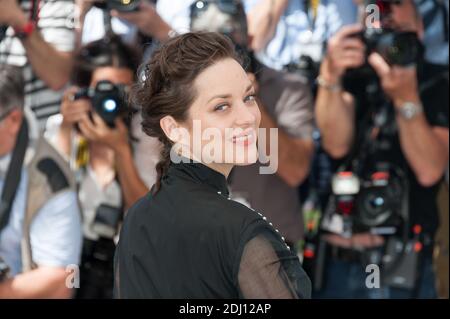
(119, 5)
(108, 100)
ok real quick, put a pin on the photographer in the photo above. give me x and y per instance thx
(414, 135)
(96, 138)
(126, 20)
(294, 32)
(39, 38)
(40, 228)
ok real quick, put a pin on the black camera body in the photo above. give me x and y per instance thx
(107, 219)
(108, 100)
(119, 5)
(397, 48)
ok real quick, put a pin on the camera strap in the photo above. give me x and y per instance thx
(107, 22)
(311, 10)
(13, 175)
(359, 150)
(34, 13)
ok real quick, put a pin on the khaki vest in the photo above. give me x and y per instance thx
(41, 189)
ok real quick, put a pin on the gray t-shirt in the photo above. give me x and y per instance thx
(288, 100)
(91, 195)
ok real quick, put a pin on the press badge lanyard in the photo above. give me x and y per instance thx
(311, 10)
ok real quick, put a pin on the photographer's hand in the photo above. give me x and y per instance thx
(11, 13)
(131, 183)
(263, 20)
(343, 52)
(98, 131)
(399, 83)
(147, 20)
(72, 112)
(425, 147)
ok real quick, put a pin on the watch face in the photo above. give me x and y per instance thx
(410, 110)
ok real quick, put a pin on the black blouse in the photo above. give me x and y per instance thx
(191, 241)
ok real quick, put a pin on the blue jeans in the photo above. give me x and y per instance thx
(345, 280)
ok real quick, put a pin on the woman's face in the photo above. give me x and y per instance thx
(224, 118)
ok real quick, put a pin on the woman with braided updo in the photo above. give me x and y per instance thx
(186, 238)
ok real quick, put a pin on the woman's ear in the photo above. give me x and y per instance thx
(171, 128)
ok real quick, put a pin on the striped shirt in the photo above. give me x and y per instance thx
(56, 25)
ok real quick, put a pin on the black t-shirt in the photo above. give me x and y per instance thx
(433, 85)
(191, 241)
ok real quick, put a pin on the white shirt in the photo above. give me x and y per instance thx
(94, 27)
(176, 13)
(297, 35)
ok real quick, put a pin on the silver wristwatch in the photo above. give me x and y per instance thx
(410, 110)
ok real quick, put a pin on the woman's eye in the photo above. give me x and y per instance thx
(221, 107)
(250, 98)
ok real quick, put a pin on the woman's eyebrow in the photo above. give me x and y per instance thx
(221, 96)
(227, 96)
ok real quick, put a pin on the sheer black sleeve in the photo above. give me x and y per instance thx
(269, 270)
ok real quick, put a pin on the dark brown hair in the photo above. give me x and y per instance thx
(168, 83)
(109, 51)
